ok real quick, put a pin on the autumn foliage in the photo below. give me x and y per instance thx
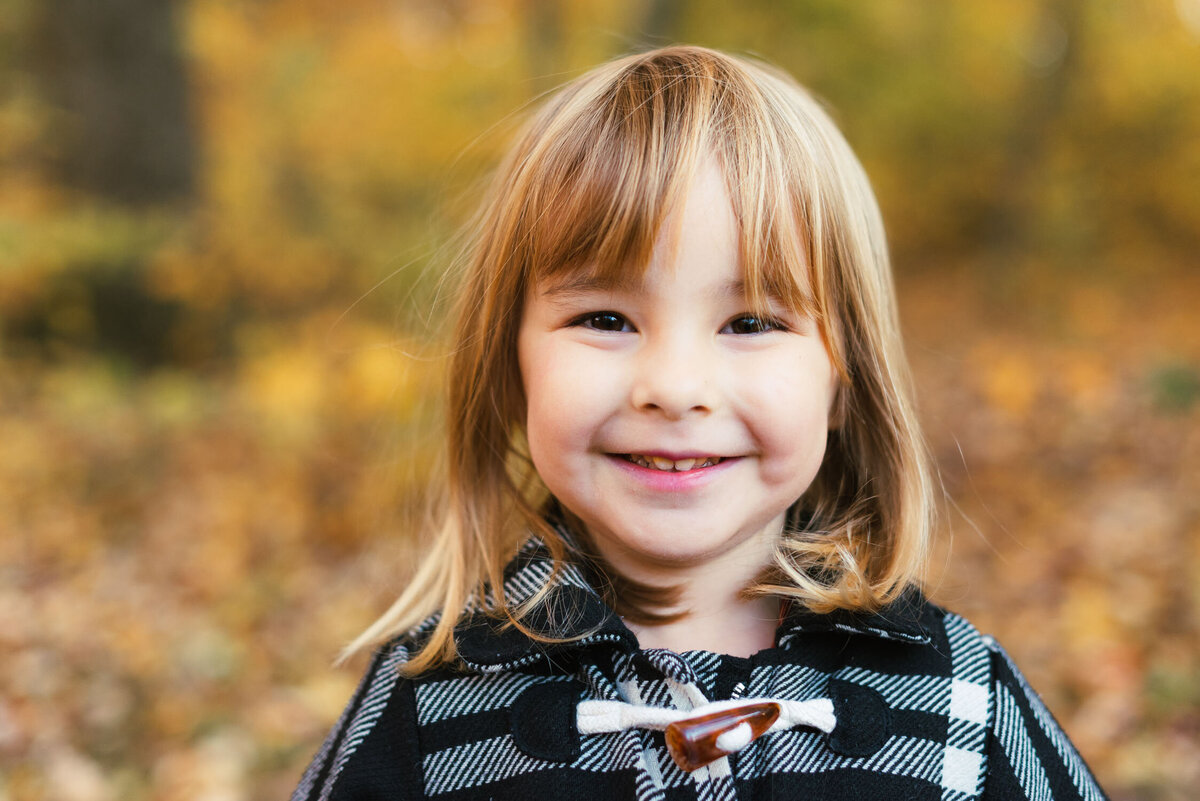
(220, 363)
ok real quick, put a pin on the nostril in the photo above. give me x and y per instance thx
(674, 377)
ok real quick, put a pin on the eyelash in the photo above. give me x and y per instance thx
(588, 321)
(761, 324)
(617, 323)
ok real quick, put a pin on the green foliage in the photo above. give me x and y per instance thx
(1176, 387)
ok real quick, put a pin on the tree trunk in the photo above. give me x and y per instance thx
(114, 71)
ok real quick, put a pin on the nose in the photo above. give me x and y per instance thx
(676, 377)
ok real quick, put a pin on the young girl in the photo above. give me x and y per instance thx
(687, 501)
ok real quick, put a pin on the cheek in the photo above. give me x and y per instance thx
(798, 436)
(559, 410)
(543, 426)
(791, 418)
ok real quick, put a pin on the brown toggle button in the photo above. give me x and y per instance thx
(695, 742)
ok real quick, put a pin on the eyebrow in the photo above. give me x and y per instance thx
(580, 283)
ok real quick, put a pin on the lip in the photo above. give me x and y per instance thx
(669, 480)
(676, 456)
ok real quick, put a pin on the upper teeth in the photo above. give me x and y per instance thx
(680, 465)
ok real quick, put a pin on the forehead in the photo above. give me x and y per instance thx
(699, 229)
(702, 248)
(696, 254)
(568, 286)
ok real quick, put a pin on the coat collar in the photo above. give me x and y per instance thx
(573, 616)
(904, 619)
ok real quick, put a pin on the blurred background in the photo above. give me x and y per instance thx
(222, 225)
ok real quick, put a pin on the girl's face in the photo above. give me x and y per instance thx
(678, 426)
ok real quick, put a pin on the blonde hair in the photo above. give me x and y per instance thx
(586, 187)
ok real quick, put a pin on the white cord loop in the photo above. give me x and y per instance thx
(600, 717)
(704, 734)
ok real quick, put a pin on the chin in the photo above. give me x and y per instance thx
(682, 547)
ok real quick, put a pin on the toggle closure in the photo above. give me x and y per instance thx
(700, 736)
(697, 741)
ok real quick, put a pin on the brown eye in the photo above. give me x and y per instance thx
(604, 321)
(750, 324)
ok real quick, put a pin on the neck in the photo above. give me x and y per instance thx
(739, 627)
(716, 615)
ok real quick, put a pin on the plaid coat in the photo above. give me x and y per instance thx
(925, 708)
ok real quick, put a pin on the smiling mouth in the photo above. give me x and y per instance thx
(671, 465)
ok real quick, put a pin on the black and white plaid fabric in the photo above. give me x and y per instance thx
(926, 708)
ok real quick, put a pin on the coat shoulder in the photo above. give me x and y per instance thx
(372, 750)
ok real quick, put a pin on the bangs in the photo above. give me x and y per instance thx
(603, 167)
